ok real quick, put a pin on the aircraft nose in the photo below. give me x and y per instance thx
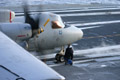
(72, 34)
(78, 33)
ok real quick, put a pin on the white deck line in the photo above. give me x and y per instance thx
(97, 23)
(88, 51)
(83, 9)
(98, 50)
(90, 14)
(79, 14)
(90, 27)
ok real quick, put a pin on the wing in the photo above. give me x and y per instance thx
(16, 63)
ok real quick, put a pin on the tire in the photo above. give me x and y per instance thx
(57, 57)
(61, 58)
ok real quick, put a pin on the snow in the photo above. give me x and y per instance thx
(38, 2)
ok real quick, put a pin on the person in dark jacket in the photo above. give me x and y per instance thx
(68, 55)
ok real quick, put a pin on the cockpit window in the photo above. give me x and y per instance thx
(56, 21)
(56, 24)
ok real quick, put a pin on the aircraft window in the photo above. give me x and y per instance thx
(56, 24)
(61, 22)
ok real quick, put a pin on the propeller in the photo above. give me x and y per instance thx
(33, 22)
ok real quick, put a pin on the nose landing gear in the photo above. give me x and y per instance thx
(60, 56)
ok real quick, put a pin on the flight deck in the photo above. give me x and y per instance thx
(97, 55)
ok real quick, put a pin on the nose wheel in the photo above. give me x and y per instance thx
(60, 56)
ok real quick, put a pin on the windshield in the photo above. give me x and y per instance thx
(57, 21)
(56, 24)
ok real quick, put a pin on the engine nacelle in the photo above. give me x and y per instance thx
(16, 31)
(6, 15)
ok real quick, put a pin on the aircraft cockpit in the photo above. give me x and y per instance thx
(56, 21)
(56, 24)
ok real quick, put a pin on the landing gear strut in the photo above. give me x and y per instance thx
(60, 56)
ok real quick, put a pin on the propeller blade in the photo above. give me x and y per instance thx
(28, 19)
